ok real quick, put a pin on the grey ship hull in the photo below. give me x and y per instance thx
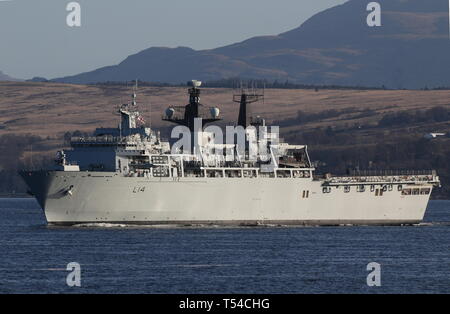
(69, 198)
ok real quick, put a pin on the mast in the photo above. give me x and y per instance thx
(191, 111)
(244, 99)
(129, 113)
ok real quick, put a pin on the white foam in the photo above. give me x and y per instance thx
(100, 225)
(130, 226)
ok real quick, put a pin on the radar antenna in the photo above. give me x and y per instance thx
(191, 110)
(244, 98)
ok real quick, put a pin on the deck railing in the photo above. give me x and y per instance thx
(383, 172)
(388, 176)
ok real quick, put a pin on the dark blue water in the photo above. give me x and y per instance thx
(33, 257)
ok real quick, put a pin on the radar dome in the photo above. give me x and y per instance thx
(215, 112)
(169, 112)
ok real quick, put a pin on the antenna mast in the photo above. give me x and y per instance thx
(245, 98)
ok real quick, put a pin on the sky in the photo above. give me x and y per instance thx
(35, 39)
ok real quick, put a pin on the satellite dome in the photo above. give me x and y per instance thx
(215, 112)
(169, 112)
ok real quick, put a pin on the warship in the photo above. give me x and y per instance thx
(129, 175)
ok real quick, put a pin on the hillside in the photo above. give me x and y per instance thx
(51, 109)
(379, 129)
(336, 46)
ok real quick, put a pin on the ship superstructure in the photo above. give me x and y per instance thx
(129, 175)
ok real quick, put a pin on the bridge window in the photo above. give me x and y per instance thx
(214, 173)
(160, 160)
(250, 174)
(406, 192)
(161, 172)
(283, 173)
(233, 173)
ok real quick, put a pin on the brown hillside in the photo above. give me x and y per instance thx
(51, 109)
